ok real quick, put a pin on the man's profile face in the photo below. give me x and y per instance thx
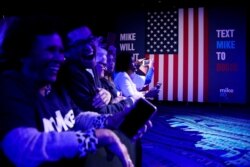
(86, 54)
(46, 58)
(101, 65)
(81, 41)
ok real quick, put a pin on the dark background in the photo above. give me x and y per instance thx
(100, 15)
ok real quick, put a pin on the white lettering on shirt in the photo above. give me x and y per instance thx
(59, 123)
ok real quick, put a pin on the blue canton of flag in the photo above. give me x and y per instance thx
(162, 32)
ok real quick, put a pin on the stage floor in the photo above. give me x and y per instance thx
(198, 136)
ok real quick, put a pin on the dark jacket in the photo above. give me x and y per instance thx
(82, 88)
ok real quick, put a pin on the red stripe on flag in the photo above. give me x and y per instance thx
(196, 48)
(156, 72)
(175, 78)
(185, 56)
(165, 77)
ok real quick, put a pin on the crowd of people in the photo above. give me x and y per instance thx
(63, 101)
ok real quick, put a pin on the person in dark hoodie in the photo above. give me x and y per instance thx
(39, 123)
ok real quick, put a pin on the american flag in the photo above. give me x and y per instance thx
(177, 41)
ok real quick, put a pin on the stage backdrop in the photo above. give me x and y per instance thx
(199, 54)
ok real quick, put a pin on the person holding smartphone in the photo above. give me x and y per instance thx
(125, 69)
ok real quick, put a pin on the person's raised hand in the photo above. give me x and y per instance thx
(151, 63)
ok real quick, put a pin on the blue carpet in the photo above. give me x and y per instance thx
(198, 136)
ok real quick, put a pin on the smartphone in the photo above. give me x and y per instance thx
(141, 112)
(145, 62)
